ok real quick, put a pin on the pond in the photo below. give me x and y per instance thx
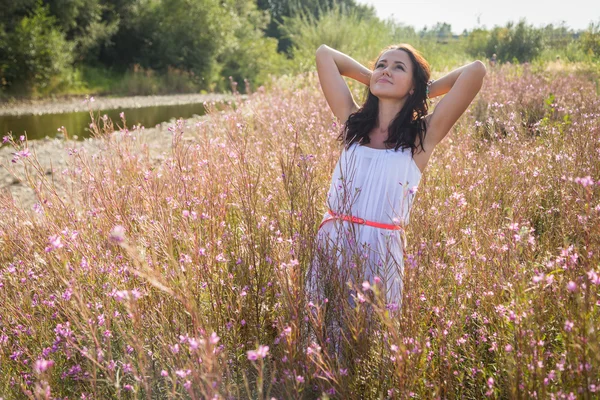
(77, 123)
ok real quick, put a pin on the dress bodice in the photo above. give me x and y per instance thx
(374, 184)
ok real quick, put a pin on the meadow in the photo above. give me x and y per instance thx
(183, 276)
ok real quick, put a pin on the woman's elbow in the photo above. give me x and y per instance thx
(480, 67)
(322, 47)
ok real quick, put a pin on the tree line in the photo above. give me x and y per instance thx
(55, 46)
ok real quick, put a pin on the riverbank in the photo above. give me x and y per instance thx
(53, 155)
(79, 103)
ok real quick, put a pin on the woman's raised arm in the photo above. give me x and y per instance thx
(462, 85)
(331, 65)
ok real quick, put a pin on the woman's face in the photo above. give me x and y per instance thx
(393, 75)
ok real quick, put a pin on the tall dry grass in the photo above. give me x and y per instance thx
(183, 276)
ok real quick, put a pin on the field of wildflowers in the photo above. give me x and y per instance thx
(183, 277)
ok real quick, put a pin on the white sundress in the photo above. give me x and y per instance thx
(377, 185)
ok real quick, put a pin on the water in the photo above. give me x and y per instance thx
(77, 123)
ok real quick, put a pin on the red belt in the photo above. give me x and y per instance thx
(362, 221)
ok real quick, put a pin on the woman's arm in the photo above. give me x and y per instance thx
(331, 65)
(445, 83)
(462, 85)
(348, 66)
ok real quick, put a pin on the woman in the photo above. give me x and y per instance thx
(387, 144)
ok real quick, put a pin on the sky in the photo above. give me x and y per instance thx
(469, 14)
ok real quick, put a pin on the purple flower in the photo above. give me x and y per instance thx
(183, 373)
(568, 326)
(42, 365)
(261, 352)
(54, 243)
(117, 234)
(585, 181)
(214, 339)
(593, 277)
(127, 368)
(21, 154)
(121, 295)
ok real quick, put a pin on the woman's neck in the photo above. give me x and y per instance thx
(388, 109)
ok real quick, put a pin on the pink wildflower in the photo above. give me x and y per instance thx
(117, 234)
(261, 352)
(214, 339)
(42, 365)
(568, 326)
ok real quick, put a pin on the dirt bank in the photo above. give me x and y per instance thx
(53, 155)
(74, 104)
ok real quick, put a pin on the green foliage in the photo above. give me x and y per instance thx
(248, 54)
(186, 35)
(522, 43)
(46, 44)
(13, 11)
(477, 42)
(440, 31)
(571, 53)
(363, 38)
(36, 55)
(519, 42)
(343, 30)
(280, 10)
(89, 24)
(208, 39)
(443, 56)
(590, 40)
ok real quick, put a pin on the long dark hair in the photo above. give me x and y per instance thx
(408, 123)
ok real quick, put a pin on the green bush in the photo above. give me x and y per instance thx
(37, 55)
(363, 38)
(590, 40)
(342, 29)
(443, 56)
(520, 42)
(185, 35)
(477, 43)
(248, 54)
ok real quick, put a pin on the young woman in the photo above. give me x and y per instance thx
(387, 144)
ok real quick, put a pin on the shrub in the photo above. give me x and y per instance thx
(590, 40)
(338, 28)
(37, 55)
(519, 42)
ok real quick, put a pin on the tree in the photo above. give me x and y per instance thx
(249, 54)
(34, 54)
(441, 31)
(89, 24)
(281, 9)
(590, 40)
(519, 42)
(477, 43)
